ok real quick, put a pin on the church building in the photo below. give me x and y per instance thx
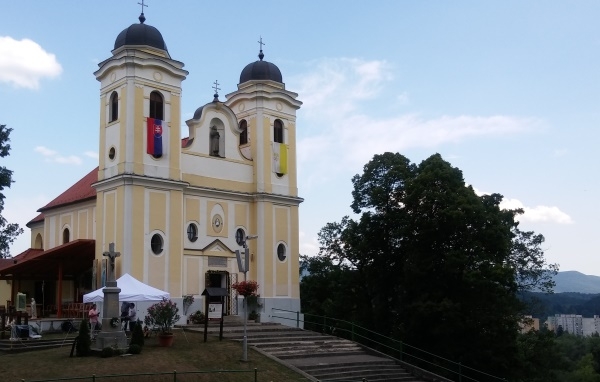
(176, 208)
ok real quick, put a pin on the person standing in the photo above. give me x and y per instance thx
(124, 314)
(132, 317)
(93, 316)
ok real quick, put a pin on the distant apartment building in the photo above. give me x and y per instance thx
(529, 323)
(574, 324)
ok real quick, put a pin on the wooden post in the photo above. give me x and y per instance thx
(59, 297)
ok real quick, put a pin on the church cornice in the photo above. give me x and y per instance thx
(215, 193)
(132, 57)
(139, 180)
(260, 90)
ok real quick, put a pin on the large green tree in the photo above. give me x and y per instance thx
(435, 264)
(8, 231)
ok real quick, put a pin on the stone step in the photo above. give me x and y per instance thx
(27, 345)
(316, 367)
(315, 349)
(322, 356)
(299, 340)
(298, 344)
(317, 354)
(272, 334)
(332, 374)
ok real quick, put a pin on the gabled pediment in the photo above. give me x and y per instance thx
(218, 247)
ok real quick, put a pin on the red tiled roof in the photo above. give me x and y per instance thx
(36, 219)
(74, 257)
(23, 256)
(80, 191)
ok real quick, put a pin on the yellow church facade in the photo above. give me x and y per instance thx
(177, 208)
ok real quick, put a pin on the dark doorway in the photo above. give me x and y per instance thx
(45, 295)
(219, 279)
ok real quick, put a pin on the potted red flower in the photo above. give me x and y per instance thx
(163, 315)
(246, 288)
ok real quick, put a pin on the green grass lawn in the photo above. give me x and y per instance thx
(188, 353)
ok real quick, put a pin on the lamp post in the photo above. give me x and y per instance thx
(243, 267)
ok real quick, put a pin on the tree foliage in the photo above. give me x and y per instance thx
(8, 231)
(429, 261)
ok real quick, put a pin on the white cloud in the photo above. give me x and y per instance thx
(91, 154)
(537, 214)
(402, 98)
(341, 127)
(53, 156)
(23, 63)
(45, 151)
(308, 246)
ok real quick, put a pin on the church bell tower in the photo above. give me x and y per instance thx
(139, 176)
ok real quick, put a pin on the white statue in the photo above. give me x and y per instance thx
(33, 308)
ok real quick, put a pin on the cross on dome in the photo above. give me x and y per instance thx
(261, 43)
(142, 18)
(216, 88)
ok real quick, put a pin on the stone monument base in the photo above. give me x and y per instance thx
(114, 339)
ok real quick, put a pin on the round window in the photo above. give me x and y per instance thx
(192, 232)
(111, 153)
(281, 255)
(156, 243)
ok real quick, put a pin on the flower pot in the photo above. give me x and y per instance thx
(165, 339)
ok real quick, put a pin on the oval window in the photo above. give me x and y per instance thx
(192, 232)
(156, 243)
(240, 237)
(281, 255)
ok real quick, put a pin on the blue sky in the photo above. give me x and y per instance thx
(507, 91)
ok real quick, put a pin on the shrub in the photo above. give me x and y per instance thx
(67, 326)
(253, 315)
(84, 342)
(163, 314)
(134, 349)
(107, 352)
(137, 336)
(197, 318)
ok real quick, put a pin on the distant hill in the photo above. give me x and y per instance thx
(573, 281)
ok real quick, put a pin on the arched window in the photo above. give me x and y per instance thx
(243, 132)
(156, 106)
(66, 236)
(278, 131)
(114, 107)
(39, 243)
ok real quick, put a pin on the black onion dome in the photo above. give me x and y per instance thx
(261, 70)
(198, 112)
(141, 34)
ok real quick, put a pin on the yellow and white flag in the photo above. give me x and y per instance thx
(280, 153)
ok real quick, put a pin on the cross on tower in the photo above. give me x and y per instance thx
(111, 254)
(143, 5)
(216, 86)
(261, 43)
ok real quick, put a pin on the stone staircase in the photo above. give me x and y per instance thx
(23, 345)
(319, 357)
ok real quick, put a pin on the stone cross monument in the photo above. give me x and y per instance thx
(111, 336)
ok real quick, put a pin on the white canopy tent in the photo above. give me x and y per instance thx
(131, 290)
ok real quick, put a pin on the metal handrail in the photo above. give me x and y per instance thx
(456, 369)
